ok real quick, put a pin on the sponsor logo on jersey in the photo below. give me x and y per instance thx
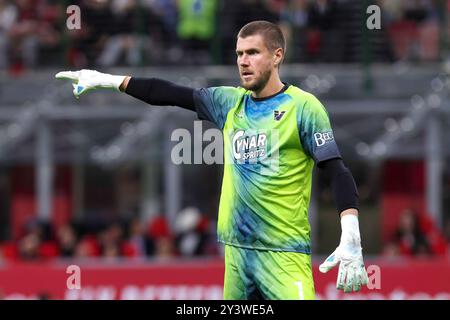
(323, 137)
(277, 115)
(246, 147)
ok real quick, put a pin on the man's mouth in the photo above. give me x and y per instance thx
(246, 75)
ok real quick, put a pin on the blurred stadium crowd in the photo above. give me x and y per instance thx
(416, 235)
(191, 236)
(33, 33)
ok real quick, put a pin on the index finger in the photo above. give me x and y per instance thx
(72, 75)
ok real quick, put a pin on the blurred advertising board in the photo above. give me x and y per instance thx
(202, 279)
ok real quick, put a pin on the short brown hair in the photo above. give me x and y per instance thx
(271, 33)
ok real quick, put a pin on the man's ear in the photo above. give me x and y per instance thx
(278, 57)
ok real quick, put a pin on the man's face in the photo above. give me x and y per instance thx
(255, 62)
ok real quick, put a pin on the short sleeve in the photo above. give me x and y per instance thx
(316, 134)
(213, 104)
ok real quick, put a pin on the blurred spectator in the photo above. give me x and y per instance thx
(324, 36)
(122, 39)
(37, 242)
(30, 242)
(24, 39)
(8, 16)
(191, 232)
(87, 247)
(138, 244)
(164, 248)
(29, 247)
(409, 237)
(33, 33)
(294, 22)
(136, 32)
(193, 235)
(51, 17)
(88, 42)
(157, 28)
(110, 240)
(391, 250)
(414, 31)
(158, 227)
(159, 231)
(212, 246)
(234, 14)
(250, 10)
(196, 28)
(435, 237)
(67, 240)
(322, 14)
(392, 10)
(166, 10)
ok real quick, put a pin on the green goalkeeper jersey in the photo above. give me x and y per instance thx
(270, 147)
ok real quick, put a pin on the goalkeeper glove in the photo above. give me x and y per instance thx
(87, 80)
(352, 274)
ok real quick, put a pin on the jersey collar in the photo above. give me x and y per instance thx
(286, 85)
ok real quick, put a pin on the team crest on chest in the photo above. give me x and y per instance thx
(277, 115)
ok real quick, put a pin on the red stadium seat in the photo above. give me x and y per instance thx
(49, 250)
(9, 251)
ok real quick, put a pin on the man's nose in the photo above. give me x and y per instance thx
(243, 60)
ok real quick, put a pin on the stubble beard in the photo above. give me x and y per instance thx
(259, 84)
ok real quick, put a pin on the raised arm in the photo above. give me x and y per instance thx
(150, 90)
(159, 92)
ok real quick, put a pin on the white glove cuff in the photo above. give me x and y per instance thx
(350, 231)
(115, 81)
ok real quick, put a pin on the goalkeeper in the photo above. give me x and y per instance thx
(274, 133)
